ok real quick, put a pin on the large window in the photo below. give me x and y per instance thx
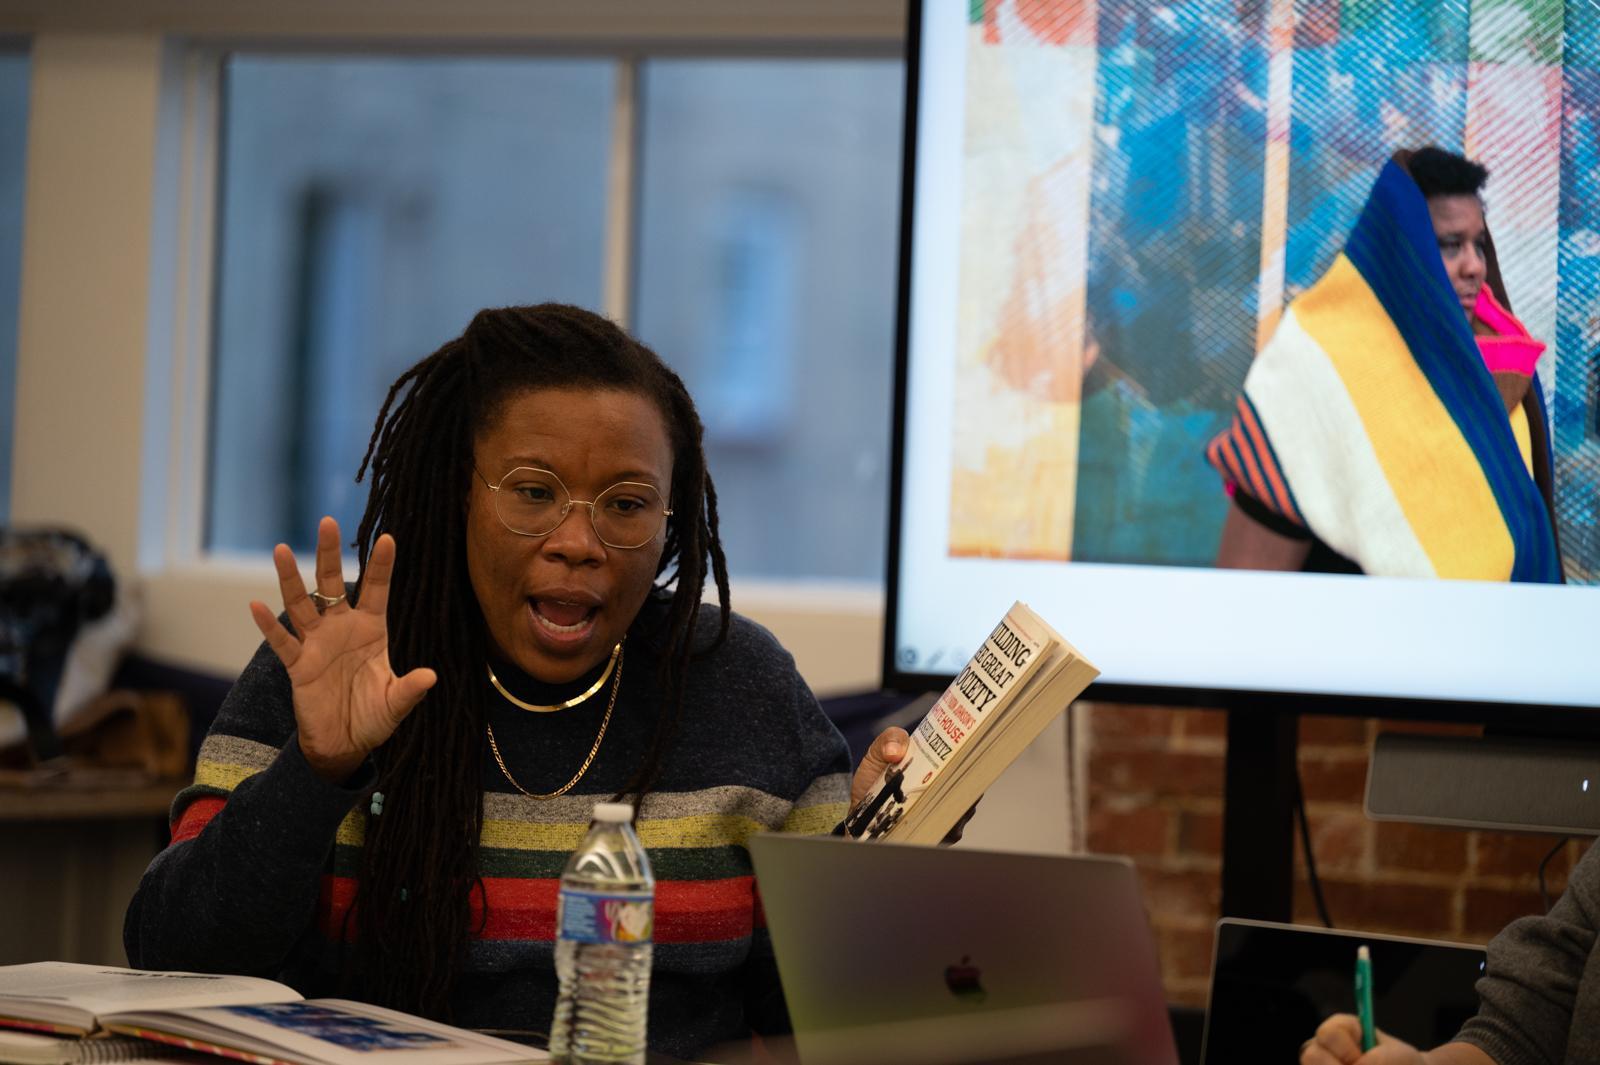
(370, 205)
(13, 150)
(766, 270)
(369, 208)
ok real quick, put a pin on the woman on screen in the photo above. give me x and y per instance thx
(1394, 424)
(391, 789)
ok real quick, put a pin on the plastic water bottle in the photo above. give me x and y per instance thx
(604, 923)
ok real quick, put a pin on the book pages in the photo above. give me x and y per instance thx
(980, 694)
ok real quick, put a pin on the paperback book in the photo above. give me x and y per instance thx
(1023, 675)
(241, 1017)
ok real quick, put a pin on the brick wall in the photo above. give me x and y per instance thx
(1155, 794)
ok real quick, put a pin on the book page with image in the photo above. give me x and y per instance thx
(59, 995)
(1010, 654)
(321, 1032)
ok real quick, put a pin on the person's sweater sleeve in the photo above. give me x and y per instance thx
(823, 761)
(1530, 983)
(237, 887)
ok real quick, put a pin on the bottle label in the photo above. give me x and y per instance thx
(605, 916)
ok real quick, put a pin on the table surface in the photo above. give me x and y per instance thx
(104, 795)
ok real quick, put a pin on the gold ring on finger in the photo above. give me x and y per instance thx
(325, 601)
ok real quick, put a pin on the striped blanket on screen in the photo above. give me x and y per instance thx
(1371, 419)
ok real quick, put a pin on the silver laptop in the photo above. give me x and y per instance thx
(940, 956)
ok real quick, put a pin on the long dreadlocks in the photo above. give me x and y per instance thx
(420, 858)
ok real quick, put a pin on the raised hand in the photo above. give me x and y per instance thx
(347, 700)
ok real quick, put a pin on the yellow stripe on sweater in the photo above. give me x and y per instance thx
(1430, 468)
(815, 820)
(353, 829)
(703, 830)
(700, 830)
(224, 775)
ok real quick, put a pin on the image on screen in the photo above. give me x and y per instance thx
(1210, 363)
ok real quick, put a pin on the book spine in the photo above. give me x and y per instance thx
(43, 1026)
(1008, 656)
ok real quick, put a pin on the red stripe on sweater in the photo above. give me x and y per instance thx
(196, 816)
(336, 898)
(687, 911)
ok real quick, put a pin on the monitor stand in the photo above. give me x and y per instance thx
(1258, 814)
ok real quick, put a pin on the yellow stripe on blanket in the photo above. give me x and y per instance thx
(1524, 435)
(1429, 466)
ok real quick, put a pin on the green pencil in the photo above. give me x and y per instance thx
(1369, 1030)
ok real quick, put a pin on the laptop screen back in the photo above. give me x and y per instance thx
(1272, 984)
(894, 953)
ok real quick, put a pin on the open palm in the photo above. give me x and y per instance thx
(347, 699)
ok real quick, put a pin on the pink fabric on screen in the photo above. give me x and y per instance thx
(1513, 349)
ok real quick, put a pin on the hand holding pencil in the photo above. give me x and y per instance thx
(1347, 1039)
(1354, 1038)
(1338, 1042)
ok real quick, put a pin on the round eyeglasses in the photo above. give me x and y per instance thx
(534, 502)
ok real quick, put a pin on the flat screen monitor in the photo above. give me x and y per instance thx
(1110, 212)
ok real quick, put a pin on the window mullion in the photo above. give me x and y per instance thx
(194, 291)
(622, 190)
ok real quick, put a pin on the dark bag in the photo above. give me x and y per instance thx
(52, 584)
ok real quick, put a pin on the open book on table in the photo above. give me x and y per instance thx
(1018, 681)
(240, 1017)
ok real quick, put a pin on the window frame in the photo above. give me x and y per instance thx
(19, 47)
(152, 72)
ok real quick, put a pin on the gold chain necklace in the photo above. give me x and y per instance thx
(616, 653)
(616, 685)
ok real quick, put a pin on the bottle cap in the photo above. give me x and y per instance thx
(613, 811)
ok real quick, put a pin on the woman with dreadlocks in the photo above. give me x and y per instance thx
(389, 793)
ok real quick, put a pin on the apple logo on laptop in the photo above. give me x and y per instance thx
(963, 980)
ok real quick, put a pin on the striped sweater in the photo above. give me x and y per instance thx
(264, 855)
